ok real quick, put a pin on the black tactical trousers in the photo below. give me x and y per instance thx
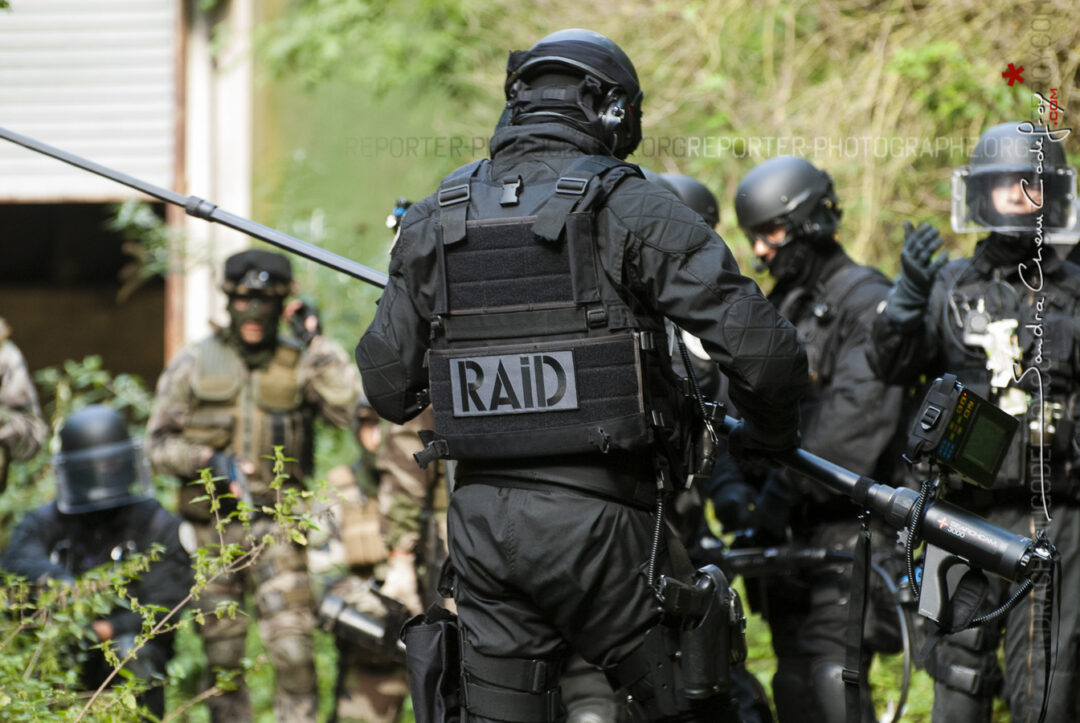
(808, 616)
(542, 572)
(965, 666)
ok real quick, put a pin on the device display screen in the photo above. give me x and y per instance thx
(985, 442)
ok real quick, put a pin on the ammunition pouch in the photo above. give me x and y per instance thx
(686, 659)
(433, 660)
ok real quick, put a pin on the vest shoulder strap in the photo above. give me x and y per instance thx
(582, 186)
(453, 199)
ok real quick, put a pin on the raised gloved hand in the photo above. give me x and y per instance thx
(401, 581)
(918, 267)
(303, 318)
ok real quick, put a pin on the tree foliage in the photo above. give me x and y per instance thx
(887, 95)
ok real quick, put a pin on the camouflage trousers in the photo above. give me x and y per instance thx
(280, 588)
(371, 688)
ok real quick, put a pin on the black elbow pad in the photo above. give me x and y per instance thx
(386, 381)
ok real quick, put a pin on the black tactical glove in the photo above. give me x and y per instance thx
(301, 328)
(767, 520)
(747, 441)
(907, 299)
(235, 480)
(224, 465)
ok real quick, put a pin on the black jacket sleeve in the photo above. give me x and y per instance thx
(27, 553)
(897, 353)
(855, 415)
(167, 581)
(390, 355)
(680, 267)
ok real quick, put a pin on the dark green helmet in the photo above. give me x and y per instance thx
(257, 272)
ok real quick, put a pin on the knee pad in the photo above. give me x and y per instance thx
(829, 690)
(149, 661)
(224, 652)
(967, 662)
(294, 661)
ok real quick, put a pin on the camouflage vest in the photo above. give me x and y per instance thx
(247, 412)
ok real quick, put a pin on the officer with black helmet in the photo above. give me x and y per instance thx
(543, 358)
(789, 211)
(104, 512)
(1004, 321)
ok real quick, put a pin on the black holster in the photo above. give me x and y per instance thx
(684, 663)
(433, 659)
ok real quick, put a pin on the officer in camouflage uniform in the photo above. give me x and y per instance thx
(412, 504)
(225, 403)
(372, 684)
(22, 430)
(105, 512)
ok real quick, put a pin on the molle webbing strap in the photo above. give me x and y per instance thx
(501, 264)
(508, 324)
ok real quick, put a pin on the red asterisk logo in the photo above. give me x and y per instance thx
(943, 522)
(1013, 74)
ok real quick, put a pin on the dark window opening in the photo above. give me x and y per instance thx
(59, 278)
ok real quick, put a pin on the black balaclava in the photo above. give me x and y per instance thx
(799, 263)
(265, 310)
(1003, 250)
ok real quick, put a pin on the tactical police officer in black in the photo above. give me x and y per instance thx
(526, 302)
(103, 513)
(1007, 313)
(790, 213)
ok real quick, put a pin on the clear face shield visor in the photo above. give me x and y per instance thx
(1014, 201)
(101, 477)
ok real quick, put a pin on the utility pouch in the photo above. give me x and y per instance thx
(433, 660)
(364, 546)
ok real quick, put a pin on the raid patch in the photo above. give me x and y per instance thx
(513, 383)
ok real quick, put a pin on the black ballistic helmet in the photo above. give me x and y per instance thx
(790, 192)
(1003, 155)
(694, 194)
(99, 465)
(257, 272)
(609, 95)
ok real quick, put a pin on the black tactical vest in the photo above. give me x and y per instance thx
(1048, 331)
(533, 353)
